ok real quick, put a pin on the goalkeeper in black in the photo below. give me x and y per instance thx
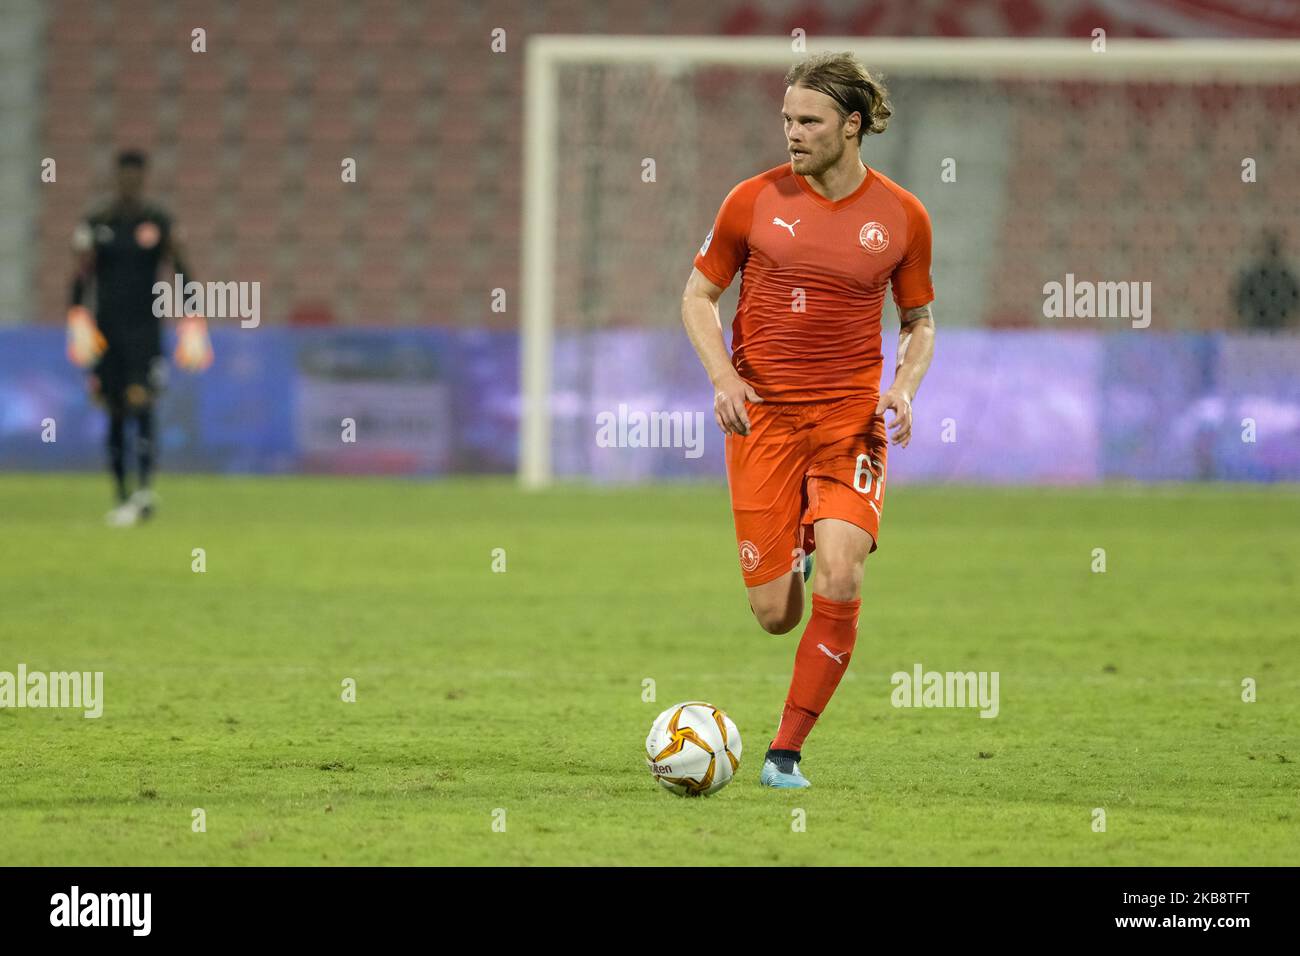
(118, 250)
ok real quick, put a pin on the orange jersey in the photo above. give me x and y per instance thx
(807, 325)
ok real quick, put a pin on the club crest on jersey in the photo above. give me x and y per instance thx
(147, 234)
(874, 237)
(748, 555)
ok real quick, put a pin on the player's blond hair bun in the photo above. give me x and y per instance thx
(843, 78)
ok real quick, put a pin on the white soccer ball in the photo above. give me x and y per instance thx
(693, 749)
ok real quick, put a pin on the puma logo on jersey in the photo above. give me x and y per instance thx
(778, 221)
(837, 658)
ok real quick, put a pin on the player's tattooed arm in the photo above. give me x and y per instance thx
(910, 320)
(915, 350)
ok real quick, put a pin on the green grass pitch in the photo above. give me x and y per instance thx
(521, 692)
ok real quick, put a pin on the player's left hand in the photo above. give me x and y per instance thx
(193, 347)
(897, 400)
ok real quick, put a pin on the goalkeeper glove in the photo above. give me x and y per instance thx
(85, 342)
(193, 347)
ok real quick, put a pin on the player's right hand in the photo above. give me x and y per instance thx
(85, 342)
(729, 398)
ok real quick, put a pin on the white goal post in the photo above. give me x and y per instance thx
(1250, 61)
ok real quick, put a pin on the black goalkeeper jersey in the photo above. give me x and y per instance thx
(128, 246)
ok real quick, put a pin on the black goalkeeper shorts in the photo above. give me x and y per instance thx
(120, 368)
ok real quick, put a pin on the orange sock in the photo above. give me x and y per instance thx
(820, 662)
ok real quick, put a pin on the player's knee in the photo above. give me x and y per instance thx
(779, 623)
(137, 396)
(778, 619)
(839, 582)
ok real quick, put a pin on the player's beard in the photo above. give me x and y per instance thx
(815, 164)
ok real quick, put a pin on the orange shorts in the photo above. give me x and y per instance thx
(798, 464)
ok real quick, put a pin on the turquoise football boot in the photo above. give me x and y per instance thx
(807, 567)
(781, 771)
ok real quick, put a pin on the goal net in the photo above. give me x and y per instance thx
(1172, 163)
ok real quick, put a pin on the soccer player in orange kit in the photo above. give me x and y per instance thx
(799, 399)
